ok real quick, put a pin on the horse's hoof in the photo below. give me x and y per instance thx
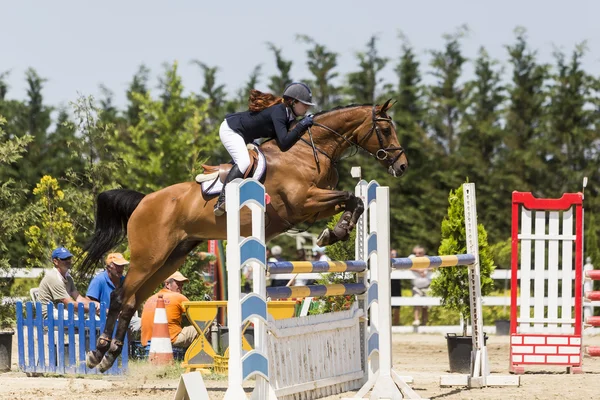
(324, 238)
(105, 364)
(90, 360)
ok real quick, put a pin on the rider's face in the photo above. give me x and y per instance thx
(300, 108)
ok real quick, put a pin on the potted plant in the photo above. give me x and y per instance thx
(452, 284)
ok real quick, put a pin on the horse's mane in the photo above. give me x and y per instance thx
(338, 108)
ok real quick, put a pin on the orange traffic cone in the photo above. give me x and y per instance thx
(161, 351)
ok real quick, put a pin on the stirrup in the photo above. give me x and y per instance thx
(219, 209)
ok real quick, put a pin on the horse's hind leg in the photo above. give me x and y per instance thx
(142, 292)
(143, 265)
(103, 343)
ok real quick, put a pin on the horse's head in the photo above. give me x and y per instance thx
(381, 140)
(368, 127)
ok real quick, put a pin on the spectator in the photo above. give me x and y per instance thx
(281, 279)
(420, 284)
(319, 254)
(58, 286)
(103, 284)
(180, 337)
(396, 287)
(301, 255)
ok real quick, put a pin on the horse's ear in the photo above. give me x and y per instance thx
(386, 106)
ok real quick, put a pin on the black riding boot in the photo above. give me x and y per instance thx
(233, 174)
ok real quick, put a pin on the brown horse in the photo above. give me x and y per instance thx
(164, 226)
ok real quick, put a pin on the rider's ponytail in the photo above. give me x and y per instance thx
(258, 100)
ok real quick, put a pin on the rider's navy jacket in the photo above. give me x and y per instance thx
(272, 122)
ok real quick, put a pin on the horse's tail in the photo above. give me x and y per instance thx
(113, 209)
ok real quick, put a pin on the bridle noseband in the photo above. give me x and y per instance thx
(382, 154)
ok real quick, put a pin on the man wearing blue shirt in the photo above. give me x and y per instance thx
(108, 280)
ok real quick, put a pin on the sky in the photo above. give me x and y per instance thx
(79, 45)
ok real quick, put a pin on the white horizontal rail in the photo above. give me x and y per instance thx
(436, 301)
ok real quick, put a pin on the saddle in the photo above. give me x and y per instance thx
(221, 171)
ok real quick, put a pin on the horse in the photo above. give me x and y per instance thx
(163, 227)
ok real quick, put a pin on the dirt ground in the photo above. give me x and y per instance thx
(422, 356)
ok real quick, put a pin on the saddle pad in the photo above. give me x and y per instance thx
(261, 167)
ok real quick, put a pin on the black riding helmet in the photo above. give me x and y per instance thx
(299, 91)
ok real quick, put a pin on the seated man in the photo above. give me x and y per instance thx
(57, 286)
(180, 337)
(103, 284)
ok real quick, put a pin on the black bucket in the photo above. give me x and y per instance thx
(502, 327)
(5, 350)
(459, 352)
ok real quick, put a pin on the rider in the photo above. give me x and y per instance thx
(268, 116)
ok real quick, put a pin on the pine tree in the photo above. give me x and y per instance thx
(240, 102)
(3, 85)
(522, 163)
(409, 223)
(60, 154)
(321, 63)
(139, 85)
(480, 141)
(447, 95)
(363, 84)
(279, 82)
(568, 130)
(32, 118)
(211, 92)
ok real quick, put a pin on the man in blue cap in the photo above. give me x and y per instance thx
(103, 284)
(58, 286)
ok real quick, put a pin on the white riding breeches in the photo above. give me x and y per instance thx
(235, 145)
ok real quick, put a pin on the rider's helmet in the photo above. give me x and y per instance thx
(299, 91)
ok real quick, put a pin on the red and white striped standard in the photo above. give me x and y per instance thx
(161, 351)
(546, 282)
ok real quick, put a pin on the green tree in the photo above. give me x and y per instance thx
(279, 82)
(447, 95)
(211, 92)
(60, 156)
(168, 143)
(480, 143)
(29, 118)
(3, 85)
(569, 127)
(321, 63)
(363, 84)
(409, 220)
(138, 85)
(12, 215)
(240, 102)
(52, 227)
(522, 163)
(96, 169)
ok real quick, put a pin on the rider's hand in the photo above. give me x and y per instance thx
(306, 121)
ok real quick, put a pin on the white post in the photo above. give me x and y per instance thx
(479, 360)
(360, 253)
(235, 391)
(259, 286)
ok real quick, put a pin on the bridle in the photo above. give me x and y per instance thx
(383, 154)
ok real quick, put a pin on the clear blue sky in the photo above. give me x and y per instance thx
(78, 45)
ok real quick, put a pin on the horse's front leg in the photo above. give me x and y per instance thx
(330, 202)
